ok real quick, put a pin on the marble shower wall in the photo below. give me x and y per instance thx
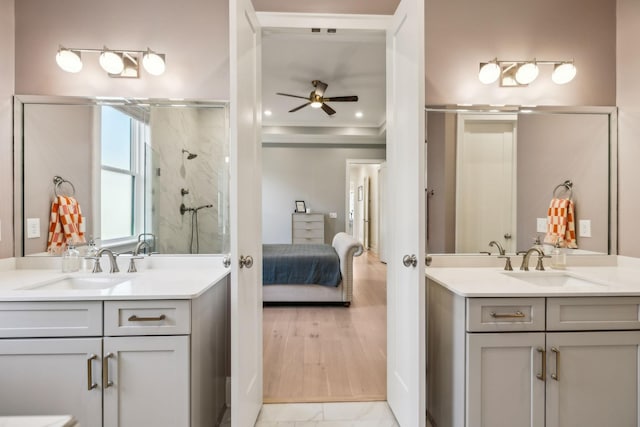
(201, 131)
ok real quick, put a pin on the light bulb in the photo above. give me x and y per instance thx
(69, 60)
(563, 73)
(153, 63)
(111, 62)
(527, 73)
(316, 104)
(489, 72)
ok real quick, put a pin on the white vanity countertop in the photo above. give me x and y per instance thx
(160, 278)
(621, 279)
(37, 421)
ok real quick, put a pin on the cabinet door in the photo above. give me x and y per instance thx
(146, 381)
(51, 377)
(596, 379)
(503, 388)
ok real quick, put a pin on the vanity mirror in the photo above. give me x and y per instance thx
(492, 171)
(152, 170)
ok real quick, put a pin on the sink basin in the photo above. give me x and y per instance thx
(553, 279)
(80, 283)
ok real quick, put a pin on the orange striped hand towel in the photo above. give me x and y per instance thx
(561, 225)
(66, 224)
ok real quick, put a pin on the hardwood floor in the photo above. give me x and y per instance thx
(330, 353)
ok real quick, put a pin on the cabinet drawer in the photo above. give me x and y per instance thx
(311, 234)
(593, 313)
(307, 241)
(51, 319)
(505, 314)
(149, 317)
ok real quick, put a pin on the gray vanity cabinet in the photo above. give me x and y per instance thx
(532, 362)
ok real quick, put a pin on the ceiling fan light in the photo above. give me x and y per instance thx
(111, 61)
(316, 104)
(69, 60)
(563, 73)
(489, 72)
(153, 62)
(527, 73)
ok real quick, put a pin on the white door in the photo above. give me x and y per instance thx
(597, 379)
(246, 217)
(486, 202)
(52, 377)
(505, 380)
(405, 160)
(146, 381)
(366, 214)
(382, 217)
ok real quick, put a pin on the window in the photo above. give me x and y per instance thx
(121, 186)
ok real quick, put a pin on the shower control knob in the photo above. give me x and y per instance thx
(246, 261)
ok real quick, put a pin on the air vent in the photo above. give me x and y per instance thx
(315, 30)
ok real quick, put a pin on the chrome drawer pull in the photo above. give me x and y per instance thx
(90, 384)
(517, 314)
(134, 318)
(541, 376)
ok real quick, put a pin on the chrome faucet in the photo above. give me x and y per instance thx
(135, 255)
(499, 246)
(527, 255)
(112, 261)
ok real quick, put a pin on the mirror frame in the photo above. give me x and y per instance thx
(610, 111)
(18, 140)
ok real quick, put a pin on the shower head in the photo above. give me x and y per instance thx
(189, 155)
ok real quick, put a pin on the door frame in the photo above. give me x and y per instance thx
(348, 164)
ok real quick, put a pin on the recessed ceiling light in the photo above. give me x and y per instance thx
(358, 114)
(267, 112)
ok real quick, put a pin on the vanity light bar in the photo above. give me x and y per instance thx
(117, 63)
(521, 73)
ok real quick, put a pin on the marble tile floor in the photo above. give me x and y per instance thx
(347, 414)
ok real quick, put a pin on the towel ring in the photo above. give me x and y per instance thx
(566, 186)
(58, 181)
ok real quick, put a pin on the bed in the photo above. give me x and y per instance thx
(294, 273)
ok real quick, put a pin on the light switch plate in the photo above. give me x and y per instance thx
(333, 215)
(584, 228)
(541, 225)
(33, 228)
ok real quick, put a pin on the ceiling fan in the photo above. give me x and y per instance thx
(317, 100)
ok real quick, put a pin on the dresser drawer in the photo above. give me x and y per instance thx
(505, 314)
(308, 218)
(593, 313)
(50, 319)
(312, 234)
(148, 317)
(307, 225)
(308, 241)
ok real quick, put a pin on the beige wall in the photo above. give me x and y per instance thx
(462, 33)
(628, 100)
(192, 33)
(6, 126)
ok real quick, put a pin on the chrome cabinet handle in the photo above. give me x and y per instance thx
(410, 260)
(106, 383)
(542, 375)
(556, 375)
(516, 315)
(90, 384)
(246, 261)
(134, 318)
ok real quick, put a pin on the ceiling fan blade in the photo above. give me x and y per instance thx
(320, 87)
(352, 98)
(297, 108)
(330, 111)
(293, 96)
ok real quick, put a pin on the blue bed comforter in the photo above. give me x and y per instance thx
(300, 264)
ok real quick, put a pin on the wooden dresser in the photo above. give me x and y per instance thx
(307, 228)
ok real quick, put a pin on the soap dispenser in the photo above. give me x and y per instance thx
(558, 257)
(70, 259)
(92, 252)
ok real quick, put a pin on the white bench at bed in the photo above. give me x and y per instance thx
(347, 247)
